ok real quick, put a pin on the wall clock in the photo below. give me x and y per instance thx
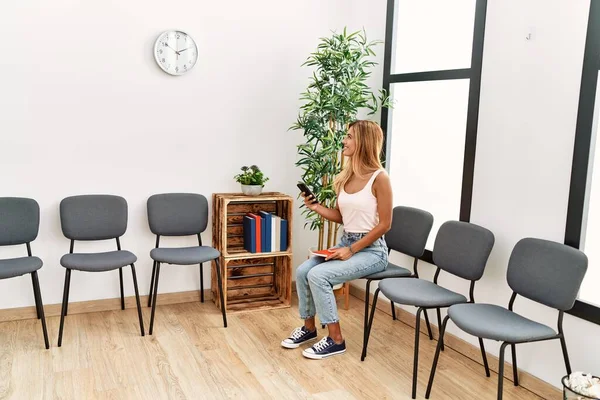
(175, 52)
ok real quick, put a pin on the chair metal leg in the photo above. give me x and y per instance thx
(436, 357)
(416, 355)
(154, 298)
(35, 297)
(151, 284)
(501, 370)
(428, 325)
(484, 357)
(68, 293)
(40, 306)
(366, 316)
(439, 316)
(563, 345)
(369, 325)
(393, 310)
(513, 350)
(137, 298)
(121, 283)
(64, 305)
(220, 283)
(37, 305)
(201, 283)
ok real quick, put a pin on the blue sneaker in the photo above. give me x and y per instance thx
(299, 336)
(324, 348)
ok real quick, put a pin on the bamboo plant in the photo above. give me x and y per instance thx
(336, 93)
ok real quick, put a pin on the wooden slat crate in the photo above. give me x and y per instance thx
(252, 281)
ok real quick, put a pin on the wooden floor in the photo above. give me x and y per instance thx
(191, 356)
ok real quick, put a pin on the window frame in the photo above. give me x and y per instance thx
(473, 74)
(581, 150)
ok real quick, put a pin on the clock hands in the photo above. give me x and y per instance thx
(172, 49)
(181, 51)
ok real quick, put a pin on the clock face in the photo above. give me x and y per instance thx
(175, 52)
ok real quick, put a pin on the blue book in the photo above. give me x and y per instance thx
(249, 225)
(266, 230)
(284, 235)
(263, 236)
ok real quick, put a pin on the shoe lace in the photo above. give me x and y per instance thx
(322, 344)
(297, 333)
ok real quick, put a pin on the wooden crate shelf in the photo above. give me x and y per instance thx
(252, 281)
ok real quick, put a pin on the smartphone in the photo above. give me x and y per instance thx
(307, 192)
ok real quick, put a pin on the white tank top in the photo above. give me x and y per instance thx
(359, 210)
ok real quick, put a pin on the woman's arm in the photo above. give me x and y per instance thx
(382, 189)
(332, 214)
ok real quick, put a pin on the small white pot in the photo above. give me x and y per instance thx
(311, 253)
(252, 190)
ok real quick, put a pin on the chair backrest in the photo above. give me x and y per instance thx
(177, 214)
(547, 272)
(93, 217)
(462, 249)
(410, 230)
(19, 220)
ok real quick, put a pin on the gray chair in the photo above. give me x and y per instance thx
(19, 224)
(180, 214)
(546, 272)
(408, 235)
(91, 218)
(461, 249)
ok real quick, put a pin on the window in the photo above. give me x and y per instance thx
(583, 215)
(432, 69)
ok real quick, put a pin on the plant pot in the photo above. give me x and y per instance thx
(311, 253)
(252, 190)
(570, 394)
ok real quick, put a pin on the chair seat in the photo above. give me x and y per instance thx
(490, 321)
(11, 267)
(184, 255)
(392, 271)
(98, 262)
(419, 293)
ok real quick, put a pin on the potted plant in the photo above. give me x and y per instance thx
(580, 386)
(252, 180)
(336, 93)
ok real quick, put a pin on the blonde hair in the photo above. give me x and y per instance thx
(368, 138)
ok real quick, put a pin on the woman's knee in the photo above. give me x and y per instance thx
(316, 276)
(303, 270)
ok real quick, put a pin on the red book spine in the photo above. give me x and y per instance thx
(258, 232)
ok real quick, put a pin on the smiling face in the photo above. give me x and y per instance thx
(349, 143)
(362, 146)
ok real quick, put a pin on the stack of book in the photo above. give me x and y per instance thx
(265, 232)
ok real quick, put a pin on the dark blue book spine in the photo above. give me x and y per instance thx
(266, 216)
(249, 226)
(263, 234)
(284, 235)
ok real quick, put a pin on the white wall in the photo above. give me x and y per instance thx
(85, 109)
(528, 112)
(527, 117)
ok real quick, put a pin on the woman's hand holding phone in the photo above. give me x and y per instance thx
(309, 199)
(309, 202)
(330, 214)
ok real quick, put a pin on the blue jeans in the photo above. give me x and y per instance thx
(316, 277)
